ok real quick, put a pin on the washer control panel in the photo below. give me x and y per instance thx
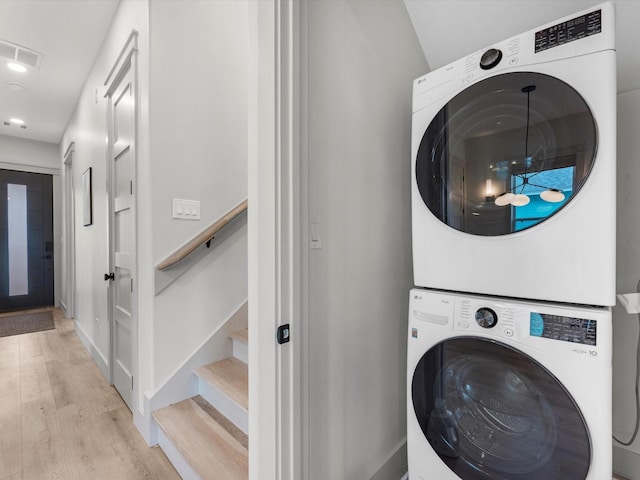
(568, 331)
(509, 319)
(564, 328)
(477, 314)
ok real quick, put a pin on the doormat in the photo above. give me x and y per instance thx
(26, 323)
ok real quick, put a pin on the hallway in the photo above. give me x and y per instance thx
(60, 419)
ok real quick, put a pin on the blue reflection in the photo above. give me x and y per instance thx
(538, 209)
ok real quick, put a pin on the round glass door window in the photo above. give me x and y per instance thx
(492, 412)
(506, 153)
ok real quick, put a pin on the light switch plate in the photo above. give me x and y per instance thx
(186, 209)
(316, 240)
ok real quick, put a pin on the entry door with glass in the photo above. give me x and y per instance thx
(26, 240)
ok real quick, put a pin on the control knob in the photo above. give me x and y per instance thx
(490, 58)
(486, 318)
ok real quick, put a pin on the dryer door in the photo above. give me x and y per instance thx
(492, 412)
(506, 153)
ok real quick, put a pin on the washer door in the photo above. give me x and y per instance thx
(506, 153)
(492, 412)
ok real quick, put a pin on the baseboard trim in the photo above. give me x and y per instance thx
(626, 463)
(96, 354)
(396, 464)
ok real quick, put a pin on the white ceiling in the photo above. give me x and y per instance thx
(69, 33)
(451, 29)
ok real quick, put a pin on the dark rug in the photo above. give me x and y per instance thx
(26, 323)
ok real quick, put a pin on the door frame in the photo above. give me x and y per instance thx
(69, 281)
(127, 61)
(277, 265)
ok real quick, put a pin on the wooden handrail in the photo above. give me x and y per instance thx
(203, 237)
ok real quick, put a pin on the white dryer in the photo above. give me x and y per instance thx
(507, 390)
(514, 166)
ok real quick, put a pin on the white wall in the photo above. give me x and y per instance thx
(39, 157)
(29, 155)
(625, 327)
(191, 143)
(362, 60)
(88, 129)
(198, 122)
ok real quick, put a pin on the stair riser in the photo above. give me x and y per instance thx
(241, 351)
(175, 457)
(230, 409)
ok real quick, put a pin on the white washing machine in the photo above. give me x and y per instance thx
(514, 166)
(501, 389)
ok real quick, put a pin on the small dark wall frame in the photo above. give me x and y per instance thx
(87, 198)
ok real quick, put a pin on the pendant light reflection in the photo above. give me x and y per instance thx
(504, 199)
(552, 195)
(520, 200)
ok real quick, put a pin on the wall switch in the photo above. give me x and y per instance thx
(316, 241)
(186, 209)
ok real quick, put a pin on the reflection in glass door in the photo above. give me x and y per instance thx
(26, 240)
(538, 209)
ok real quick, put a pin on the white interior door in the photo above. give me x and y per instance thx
(122, 159)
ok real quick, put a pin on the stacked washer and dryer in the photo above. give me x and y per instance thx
(513, 206)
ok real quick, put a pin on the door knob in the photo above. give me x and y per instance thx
(109, 276)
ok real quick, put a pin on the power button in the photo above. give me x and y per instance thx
(508, 332)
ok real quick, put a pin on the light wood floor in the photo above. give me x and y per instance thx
(59, 419)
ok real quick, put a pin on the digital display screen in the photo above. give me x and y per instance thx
(565, 32)
(567, 329)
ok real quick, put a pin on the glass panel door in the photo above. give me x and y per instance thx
(496, 158)
(26, 240)
(491, 412)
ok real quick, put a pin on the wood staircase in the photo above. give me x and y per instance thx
(206, 437)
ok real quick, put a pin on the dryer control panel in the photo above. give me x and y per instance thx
(569, 30)
(594, 28)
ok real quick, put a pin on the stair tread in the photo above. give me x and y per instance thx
(227, 424)
(210, 450)
(241, 336)
(230, 376)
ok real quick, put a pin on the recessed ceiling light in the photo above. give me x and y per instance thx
(17, 121)
(16, 67)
